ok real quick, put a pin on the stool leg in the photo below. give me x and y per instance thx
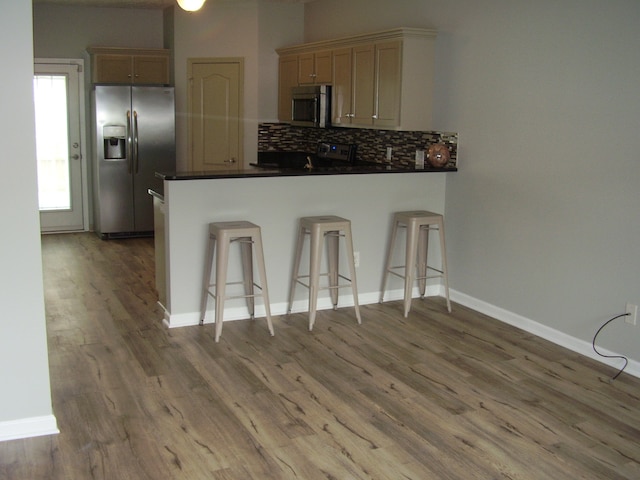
(332, 239)
(315, 256)
(410, 264)
(222, 261)
(352, 269)
(263, 280)
(445, 273)
(423, 252)
(247, 272)
(206, 280)
(385, 275)
(296, 266)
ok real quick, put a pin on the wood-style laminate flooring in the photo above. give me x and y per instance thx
(433, 396)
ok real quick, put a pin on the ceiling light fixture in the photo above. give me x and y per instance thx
(191, 5)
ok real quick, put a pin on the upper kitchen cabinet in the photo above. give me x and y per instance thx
(130, 66)
(381, 80)
(300, 69)
(287, 79)
(341, 101)
(314, 68)
(367, 84)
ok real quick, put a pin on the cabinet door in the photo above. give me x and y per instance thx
(151, 69)
(306, 69)
(341, 106)
(387, 84)
(323, 67)
(363, 85)
(287, 78)
(314, 68)
(112, 69)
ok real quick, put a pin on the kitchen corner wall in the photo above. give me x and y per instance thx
(542, 220)
(372, 144)
(25, 403)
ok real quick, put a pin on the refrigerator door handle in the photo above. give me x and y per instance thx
(129, 142)
(135, 142)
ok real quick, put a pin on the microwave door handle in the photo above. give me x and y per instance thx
(315, 111)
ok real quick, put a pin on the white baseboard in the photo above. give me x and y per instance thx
(28, 427)
(324, 303)
(555, 336)
(528, 325)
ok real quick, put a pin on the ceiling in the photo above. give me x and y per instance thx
(132, 3)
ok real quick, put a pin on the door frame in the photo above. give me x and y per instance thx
(84, 155)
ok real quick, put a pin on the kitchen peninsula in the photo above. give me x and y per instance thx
(275, 199)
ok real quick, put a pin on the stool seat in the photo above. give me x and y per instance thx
(319, 228)
(418, 224)
(222, 235)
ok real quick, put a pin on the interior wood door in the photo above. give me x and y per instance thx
(215, 114)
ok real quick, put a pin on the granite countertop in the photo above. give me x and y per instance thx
(261, 172)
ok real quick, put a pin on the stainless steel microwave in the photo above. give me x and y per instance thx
(311, 106)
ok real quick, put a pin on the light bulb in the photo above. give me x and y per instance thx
(191, 5)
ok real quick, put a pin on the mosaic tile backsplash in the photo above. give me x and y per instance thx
(372, 144)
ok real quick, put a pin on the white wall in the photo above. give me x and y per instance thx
(66, 31)
(279, 25)
(542, 218)
(25, 402)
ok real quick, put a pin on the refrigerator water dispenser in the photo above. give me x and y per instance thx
(115, 141)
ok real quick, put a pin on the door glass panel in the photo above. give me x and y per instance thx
(52, 142)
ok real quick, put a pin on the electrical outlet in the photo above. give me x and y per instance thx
(632, 311)
(356, 259)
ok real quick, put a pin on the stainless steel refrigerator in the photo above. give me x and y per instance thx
(133, 138)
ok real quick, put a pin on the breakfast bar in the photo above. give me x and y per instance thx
(275, 199)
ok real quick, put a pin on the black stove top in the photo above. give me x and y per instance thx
(327, 156)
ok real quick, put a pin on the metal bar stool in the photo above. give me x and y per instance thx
(331, 228)
(418, 224)
(223, 234)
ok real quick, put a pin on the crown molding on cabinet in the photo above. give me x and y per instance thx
(392, 34)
